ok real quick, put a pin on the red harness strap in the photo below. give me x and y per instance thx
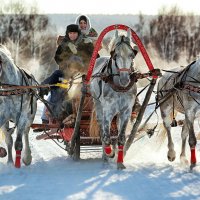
(98, 44)
(193, 156)
(120, 158)
(18, 159)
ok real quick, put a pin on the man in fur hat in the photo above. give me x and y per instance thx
(74, 50)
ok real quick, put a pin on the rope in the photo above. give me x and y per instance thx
(55, 140)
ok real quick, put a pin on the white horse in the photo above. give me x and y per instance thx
(183, 84)
(19, 109)
(114, 90)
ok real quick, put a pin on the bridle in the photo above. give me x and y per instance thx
(107, 76)
(114, 56)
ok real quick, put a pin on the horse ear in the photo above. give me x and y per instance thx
(129, 34)
(116, 34)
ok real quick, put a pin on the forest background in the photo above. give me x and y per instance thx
(171, 37)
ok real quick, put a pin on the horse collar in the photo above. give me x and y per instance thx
(109, 79)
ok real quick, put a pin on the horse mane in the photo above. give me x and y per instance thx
(114, 41)
(7, 53)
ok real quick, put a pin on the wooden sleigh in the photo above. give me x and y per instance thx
(88, 133)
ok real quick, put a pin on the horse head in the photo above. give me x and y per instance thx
(122, 53)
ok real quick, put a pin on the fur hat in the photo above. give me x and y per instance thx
(83, 17)
(73, 28)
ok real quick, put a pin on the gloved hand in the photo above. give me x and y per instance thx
(43, 91)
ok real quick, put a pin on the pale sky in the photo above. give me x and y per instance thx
(114, 6)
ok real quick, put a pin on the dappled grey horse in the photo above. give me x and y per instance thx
(183, 85)
(114, 90)
(17, 106)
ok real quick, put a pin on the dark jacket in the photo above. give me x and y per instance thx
(73, 57)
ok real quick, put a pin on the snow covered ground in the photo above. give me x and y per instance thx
(53, 175)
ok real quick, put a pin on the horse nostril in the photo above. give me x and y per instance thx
(124, 80)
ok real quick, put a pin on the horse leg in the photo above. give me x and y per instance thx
(123, 122)
(189, 118)
(106, 141)
(184, 135)
(24, 130)
(18, 142)
(27, 158)
(99, 115)
(165, 113)
(9, 141)
(18, 148)
(4, 124)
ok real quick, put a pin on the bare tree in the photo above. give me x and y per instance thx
(28, 36)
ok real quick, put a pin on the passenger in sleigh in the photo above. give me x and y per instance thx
(72, 56)
(84, 24)
(87, 30)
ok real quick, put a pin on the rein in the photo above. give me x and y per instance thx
(190, 88)
(14, 92)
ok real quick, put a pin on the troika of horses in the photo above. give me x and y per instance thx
(113, 90)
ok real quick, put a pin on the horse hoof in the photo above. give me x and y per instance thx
(171, 159)
(27, 161)
(192, 166)
(171, 155)
(3, 152)
(120, 166)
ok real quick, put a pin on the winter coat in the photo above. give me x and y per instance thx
(73, 57)
(89, 32)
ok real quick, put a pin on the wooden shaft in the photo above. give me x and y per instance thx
(78, 120)
(140, 115)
